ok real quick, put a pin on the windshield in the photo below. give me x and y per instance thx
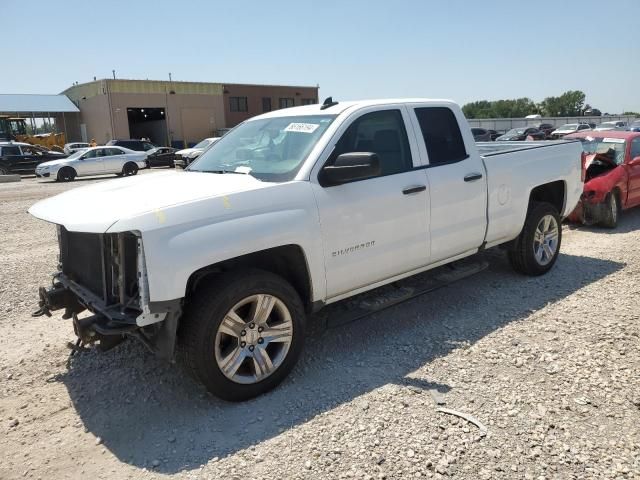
(270, 149)
(77, 153)
(203, 144)
(515, 131)
(607, 125)
(614, 148)
(569, 126)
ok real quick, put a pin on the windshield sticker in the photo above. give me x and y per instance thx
(302, 127)
(613, 140)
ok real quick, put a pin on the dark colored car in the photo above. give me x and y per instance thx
(494, 134)
(137, 145)
(522, 133)
(481, 135)
(547, 128)
(161, 157)
(22, 158)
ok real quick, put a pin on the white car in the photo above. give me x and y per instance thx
(186, 156)
(569, 128)
(94, 161)
(606, 126)
(70, 148)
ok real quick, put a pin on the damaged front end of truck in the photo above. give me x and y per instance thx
(106, 275)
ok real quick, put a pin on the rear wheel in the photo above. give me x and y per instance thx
(66, 174)
(4, 171)
(536, 249)
(129, 169)
(242, 333)
(612, 210)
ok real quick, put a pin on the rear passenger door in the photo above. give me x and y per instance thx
(457, 183)
(12, 159)
(113, 160)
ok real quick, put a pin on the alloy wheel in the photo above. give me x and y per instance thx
(253, 339)
(545, 240)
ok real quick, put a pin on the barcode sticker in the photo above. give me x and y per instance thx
(302, 127)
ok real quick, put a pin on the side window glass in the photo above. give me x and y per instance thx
(441, 134)
(635, 148)
(10, 151)
(382, 133)
(90, 154)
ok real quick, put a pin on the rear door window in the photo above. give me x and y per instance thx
(11, 150)
(441, 134)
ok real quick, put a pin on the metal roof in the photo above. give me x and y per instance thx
(20, 103)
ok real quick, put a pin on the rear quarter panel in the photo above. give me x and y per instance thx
(513, 175)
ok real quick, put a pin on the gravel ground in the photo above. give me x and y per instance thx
(549, 365)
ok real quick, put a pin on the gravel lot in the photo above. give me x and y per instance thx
(549, 365)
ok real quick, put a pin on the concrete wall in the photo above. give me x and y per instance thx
(501, 124)
(255, 94)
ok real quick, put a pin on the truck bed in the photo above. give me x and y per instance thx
(487, 149)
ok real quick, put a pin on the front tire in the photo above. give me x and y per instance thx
(536, 249)
(4, 171)
(612, 211)
(66, 174)
(242, 333)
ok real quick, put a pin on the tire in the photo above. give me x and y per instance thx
(612, 211)
(4, 171)
(66, 174)
(208, 337)
(129, 169)
(528, 255)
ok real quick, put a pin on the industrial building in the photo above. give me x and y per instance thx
(173, 113)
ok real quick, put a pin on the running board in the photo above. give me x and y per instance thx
(381, 298)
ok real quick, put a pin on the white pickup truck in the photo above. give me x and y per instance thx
(290, 211)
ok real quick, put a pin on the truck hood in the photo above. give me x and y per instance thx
(97, 207)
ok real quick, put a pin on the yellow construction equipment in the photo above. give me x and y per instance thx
(15, 128)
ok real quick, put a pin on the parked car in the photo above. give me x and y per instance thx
(634, 126)
(605, 126)
(612, 176)
(481, 135)
(494, 134)
(133, 144)
(186, 156)
(522, 133)
(93, 161)
(291, 211)
(569, 128)
(161, 157)
(22, 158)
(73, 147)
(547, 128)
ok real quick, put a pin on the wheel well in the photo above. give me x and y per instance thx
(553, 193)
(287, 261)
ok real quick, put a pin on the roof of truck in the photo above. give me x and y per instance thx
(342, 106)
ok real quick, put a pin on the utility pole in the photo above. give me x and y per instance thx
(114, 74)
(169, 76)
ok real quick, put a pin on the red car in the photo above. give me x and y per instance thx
(611, 166)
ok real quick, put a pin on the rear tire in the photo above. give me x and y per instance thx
(612, 212)
(4, 171)
(129, 169)
(66, 174)
(536, 249)
(219, 336)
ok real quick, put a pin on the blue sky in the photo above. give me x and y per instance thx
(354, 49)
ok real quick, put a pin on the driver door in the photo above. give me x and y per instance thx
(91, 163)
(376, 228)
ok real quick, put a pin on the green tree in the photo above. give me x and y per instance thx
(517, 108)
(569, 104)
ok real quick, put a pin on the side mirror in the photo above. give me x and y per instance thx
(349, 167)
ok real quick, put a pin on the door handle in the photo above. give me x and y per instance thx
(416, 189)
(472, 177)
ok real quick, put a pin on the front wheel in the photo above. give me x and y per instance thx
(536, 249)
(242, 333)
(66, 174)
(610, 218)
(4, 171)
